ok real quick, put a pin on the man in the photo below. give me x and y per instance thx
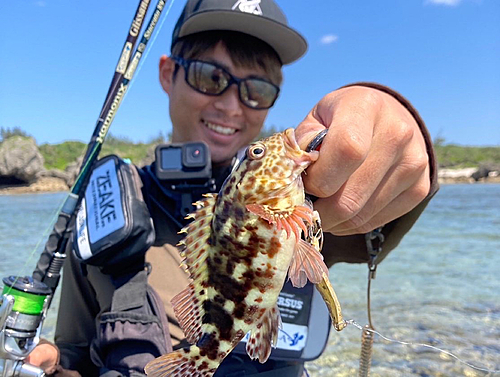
(376, 166)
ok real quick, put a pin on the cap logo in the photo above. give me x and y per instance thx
(248, 6)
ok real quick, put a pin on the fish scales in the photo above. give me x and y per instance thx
(238, 251)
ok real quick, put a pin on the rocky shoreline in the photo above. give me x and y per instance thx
(53, 184)
(42, 185)
(22, 170)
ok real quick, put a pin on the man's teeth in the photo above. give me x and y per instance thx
(220, 129)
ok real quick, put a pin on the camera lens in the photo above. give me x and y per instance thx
(195, 155)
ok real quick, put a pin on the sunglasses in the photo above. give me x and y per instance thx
(213, 80)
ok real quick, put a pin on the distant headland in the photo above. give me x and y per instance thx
(26, 167)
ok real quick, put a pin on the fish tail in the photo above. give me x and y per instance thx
(186, 362)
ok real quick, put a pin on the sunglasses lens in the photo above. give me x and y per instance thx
(210, 79)
(258, 94)
(207, 78)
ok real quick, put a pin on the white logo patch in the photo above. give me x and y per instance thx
(248, 6)
(102, 213)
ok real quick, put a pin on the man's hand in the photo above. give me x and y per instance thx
(373, 165)
(46, 356)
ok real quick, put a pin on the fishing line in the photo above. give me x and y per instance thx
(25, 302)
(127, 53)
(45, 233)
(358, 326)
(170, 3)
(125, 82)
(141, 63)
(131, 72)
(58, 238)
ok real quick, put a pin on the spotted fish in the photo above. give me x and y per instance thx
(238, 251)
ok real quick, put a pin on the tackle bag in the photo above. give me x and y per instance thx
(113, 226)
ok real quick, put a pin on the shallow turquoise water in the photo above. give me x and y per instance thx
(440, 287)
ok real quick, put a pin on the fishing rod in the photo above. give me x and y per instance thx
(25, 300)
(123, 63)
(50, 262)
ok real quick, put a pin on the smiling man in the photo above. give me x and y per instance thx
(223, 121)
(376, 167)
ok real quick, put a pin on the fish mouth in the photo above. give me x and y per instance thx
(301, 159)
(293, 151)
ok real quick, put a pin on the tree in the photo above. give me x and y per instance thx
(5, 133)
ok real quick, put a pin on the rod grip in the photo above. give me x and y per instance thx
(54, 244)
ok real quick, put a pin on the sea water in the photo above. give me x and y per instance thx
(440, 287)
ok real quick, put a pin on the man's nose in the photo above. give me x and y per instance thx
(229, 101)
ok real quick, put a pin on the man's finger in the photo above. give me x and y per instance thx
(411, 177)
(398, 207)
(389, 169)
(350, 116)
(343, 150)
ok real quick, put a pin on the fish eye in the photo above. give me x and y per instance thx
(256, 152)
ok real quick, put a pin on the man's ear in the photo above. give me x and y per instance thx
(166, 73)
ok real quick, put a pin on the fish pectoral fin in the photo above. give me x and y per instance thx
(307, 263)
(264, 335)
(290, 219)
(188, 313)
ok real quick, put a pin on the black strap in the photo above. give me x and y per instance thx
(134, 331)
(130, 291)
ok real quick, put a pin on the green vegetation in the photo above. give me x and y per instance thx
(58, 156)
(7, 132)
(456, 156)
(125, 148)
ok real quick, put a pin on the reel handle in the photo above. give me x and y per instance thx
(16, 368)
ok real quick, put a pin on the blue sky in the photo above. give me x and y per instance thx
(57, 58)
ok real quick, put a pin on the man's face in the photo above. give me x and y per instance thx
(223, 122)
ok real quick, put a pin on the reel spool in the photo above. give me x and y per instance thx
(23, 309)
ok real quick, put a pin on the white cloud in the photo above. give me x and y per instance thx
(448, 3)
(40, 3)
(329, 39)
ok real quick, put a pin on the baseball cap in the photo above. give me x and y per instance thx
(261, 19)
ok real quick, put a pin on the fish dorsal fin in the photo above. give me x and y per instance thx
(187, 311)
(264, 335)
(307, 263)
(290, 219)
(195, 244)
